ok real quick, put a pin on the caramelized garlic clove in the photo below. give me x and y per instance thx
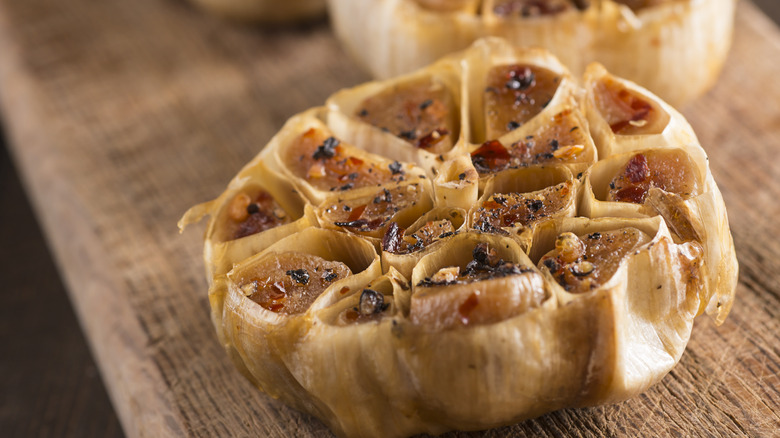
(403, 248)
(625, 117)
(582, 263)
(371, 214)
(618, 186)
(473, 280)
(320, 164)
(514, 201)
(414, 118)
(515, 94)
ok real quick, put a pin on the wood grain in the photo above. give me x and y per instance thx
(122, 114)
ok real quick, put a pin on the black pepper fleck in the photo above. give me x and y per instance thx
(327, 149)
(395, 167)
(300, 276)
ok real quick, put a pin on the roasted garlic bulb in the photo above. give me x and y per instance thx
(267, 11)
(470, 245)
(675, 48)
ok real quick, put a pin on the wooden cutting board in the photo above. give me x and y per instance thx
(122, 114)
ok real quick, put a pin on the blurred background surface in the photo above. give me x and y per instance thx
(50, 385)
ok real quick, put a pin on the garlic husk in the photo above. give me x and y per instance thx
(670, 129)
(456, 184)
(652, 309)
(259, 340)
(265, 11)
(682, 45)
(701, 218)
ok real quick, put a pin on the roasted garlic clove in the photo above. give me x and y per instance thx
(320, 164)
(620, 185)
(624, 116)
(370, 215)
(456, 184)
(583, 263)
(402, 248)
(515, 94)
(415, 118)
(271, 294)
(473, 280)
(514, 201)
(381, 298)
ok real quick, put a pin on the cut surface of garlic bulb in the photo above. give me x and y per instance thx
(675, 48)
(464, 256)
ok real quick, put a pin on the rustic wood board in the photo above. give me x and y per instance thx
(123, 114)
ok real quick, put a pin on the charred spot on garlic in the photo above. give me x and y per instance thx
(521, 79)
(327, 149)
(372, 302)
(492, 156)
(391, 240)
(395, 167)
(330, 275)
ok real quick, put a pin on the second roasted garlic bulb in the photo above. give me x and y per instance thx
(675, 48)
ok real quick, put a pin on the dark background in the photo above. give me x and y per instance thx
(49, 383)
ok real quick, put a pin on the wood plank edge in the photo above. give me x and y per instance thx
(115, 337)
